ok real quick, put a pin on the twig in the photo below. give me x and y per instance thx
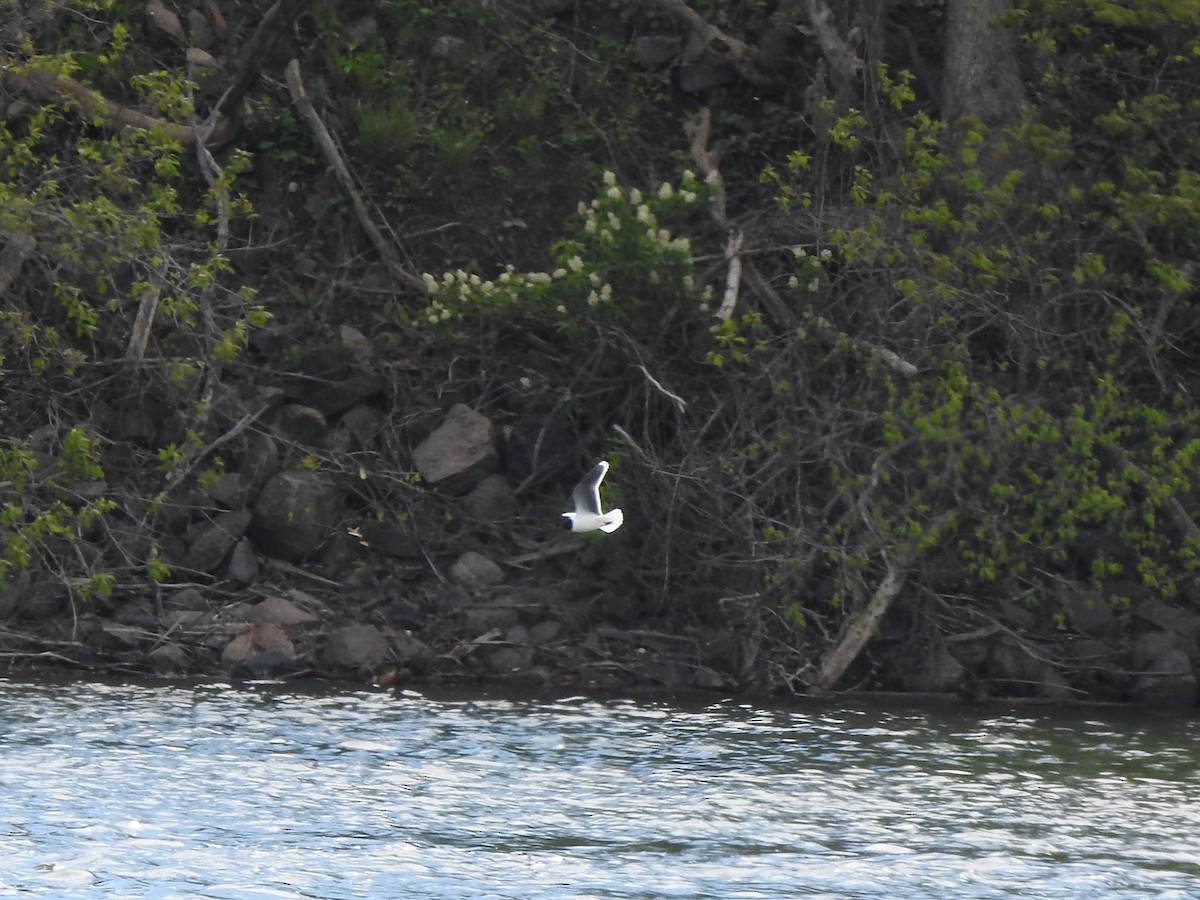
(680, 403)
(325, 141)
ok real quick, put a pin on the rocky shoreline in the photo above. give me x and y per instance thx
(336, 525)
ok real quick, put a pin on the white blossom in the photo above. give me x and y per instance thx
(635, 196)
(665, 190)
(610, 178)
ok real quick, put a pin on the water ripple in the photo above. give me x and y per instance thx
(258, 791)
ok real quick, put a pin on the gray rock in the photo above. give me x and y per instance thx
(480, 619)
(475, 572)
(453, 50)
(1169, 618)
(510, 659)
(356, 343)
(459, 452)
(169, 659)
(243, 563)
(213, 542)
(1171, 684)
(260, 459)
(280, 611)
(1088, 612)
(545, 631)
(300, 423)
(393, 539)
(355, 647)
(333, 398)
(1150, 648)
(412, 652)
(231, 490)
(295, 513)
(363, 424)
(933, 670)
(492, 500)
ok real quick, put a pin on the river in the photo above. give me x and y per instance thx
(271, 791)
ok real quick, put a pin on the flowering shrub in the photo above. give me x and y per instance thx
(621, 264)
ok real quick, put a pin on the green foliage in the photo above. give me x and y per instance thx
(112, 222)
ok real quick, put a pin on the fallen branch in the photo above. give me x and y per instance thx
(274, 20)
(742, 56)
(733, 275)
(52, 88)
(862, 627)
(325, 141)
(844, 64)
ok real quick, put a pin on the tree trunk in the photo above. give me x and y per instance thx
(981, 77)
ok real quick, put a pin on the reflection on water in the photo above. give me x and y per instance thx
(259, 791)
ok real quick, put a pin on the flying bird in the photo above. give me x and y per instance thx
(588, 514)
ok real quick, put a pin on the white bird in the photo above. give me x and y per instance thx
(588, 515)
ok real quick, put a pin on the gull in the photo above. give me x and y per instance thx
(589, 515)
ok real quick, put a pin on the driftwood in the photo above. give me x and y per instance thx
(862, 627)
(325, 141)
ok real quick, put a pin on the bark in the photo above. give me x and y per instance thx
(981, 76)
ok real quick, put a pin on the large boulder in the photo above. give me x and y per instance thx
(459, 453)
(295, 513)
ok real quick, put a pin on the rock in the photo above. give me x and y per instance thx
(260, 458)
(300, 423)
(262, 651)
(169, 659)
(243, 564)
(279, 611)
(334, 398)
(163, 20)
(710, 680)
(475, 572)
(214, 541)
(392, 539)
(930, 670)
(356, 343)
(201, 32)
(1170, 684)
(544, 632)
(480, 619)
(1088, 612)
(230, 490)
(510, 659)
(363, 424)
(1151, 647)
(492, 500)
(453, 50)
(412, 652)
(295, 513)
(355, 647)
(1169, 618)
(459, 452)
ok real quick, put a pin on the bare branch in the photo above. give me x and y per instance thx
(741, 55)
(325, 141)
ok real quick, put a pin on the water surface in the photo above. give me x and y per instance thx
(166, 791)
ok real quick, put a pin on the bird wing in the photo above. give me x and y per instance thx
(587, 493)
